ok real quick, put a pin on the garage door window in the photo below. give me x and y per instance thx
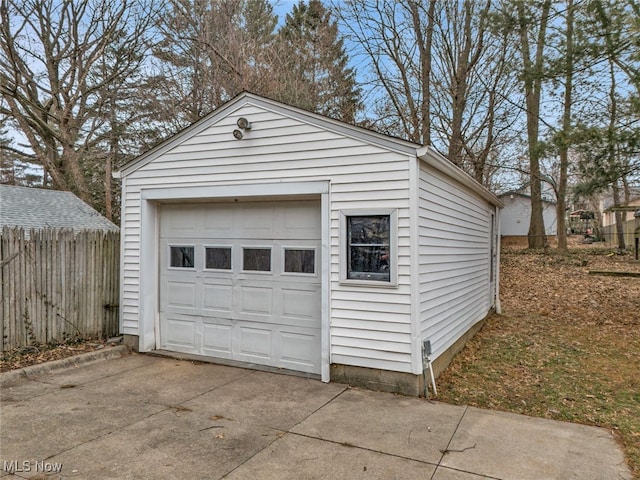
(256, 259)
(300, 260)
(217, 258)
(182, 256)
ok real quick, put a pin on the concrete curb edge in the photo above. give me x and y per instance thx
(34, 371)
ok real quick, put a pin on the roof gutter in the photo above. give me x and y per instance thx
(434, 159)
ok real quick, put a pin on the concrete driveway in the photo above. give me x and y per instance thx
(147, 417)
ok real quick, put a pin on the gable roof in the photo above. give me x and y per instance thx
(519, 193)
(246, 98)
(427, 154)
(39, 208)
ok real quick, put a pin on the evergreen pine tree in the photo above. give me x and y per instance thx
(314, 63)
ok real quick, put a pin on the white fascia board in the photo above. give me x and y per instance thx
(433, 158)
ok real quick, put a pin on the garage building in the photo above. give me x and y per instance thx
(266, 235)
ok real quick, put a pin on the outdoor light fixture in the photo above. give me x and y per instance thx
(243, 124)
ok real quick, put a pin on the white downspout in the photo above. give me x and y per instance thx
(498, 248)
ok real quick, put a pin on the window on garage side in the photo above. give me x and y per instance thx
(256, 259)
(299, 260)
(368, 247)
(182, 256)
(217, 258)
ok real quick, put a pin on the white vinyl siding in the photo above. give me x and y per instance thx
(516, 216)
(454, 234)
(281, 148)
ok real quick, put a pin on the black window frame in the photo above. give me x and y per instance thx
(368, 244)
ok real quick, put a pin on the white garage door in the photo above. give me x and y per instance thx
(241, 281)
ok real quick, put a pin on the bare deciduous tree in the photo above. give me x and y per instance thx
(396, 39)
(472, 86)
(56, 61)
(528, 19)
(561, 193)
(439, 75)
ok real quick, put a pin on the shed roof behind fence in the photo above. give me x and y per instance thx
(38, 208)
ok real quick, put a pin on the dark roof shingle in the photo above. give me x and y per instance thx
(38, 208)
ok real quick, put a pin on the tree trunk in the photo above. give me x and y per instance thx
(108, 182)
(425, 48)
(73, 169)
(532, 76)
(613, 155)
(619, 216)
(566, 127)
(460, 92)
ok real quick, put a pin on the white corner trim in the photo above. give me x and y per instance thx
(325, 288)
(148, 313)
(414, 214)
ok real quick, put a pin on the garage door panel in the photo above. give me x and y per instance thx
(262, 309)
(180, 333)
(256, 300)
(183, 223)
(254, 342)
(217, 298)
(255, 221)
(180, 297)
(299, 223)
(299, 303)
(217, 337)
(300, 348)
(218, 221)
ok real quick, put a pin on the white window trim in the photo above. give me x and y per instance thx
(393, 247)
(204, 258)
(257, 272)
(300, 274)
(183, 269)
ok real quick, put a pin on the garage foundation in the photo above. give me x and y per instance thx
(400, 382)
(131, 341)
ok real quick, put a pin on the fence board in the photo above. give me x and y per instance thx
(611, 235)
(57, 284)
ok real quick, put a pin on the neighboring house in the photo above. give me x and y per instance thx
(265, 234)
(38, 208)
(516, 215)
(609, 210)
(610, 229)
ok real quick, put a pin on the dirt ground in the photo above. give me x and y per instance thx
(570, 287)
(32, 355)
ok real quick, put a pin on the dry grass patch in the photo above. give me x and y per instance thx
(36, 354)
(566, 347)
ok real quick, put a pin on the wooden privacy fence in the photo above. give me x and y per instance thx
(611, 235)
(58, 285)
